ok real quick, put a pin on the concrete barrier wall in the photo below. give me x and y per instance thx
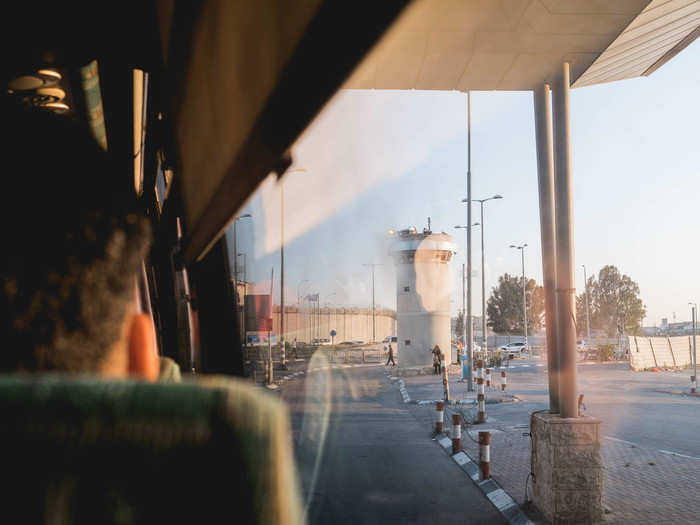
(350, 324)
(661, 352)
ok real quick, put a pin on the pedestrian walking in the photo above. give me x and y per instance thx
(391, 356)
(436, 360)
(294, 347)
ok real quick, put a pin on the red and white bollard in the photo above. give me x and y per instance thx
(504, 380)
(485, 454)
(481, 399)
(439, 411)
(693, 384)
(456, 433)
(488, 377)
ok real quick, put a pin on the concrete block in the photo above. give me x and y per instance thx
(573, 456)
(577, 506)
(577, 431)
(566, 459)
(572, 478)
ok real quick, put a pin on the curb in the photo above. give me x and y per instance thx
(402, 386)
(500, 499)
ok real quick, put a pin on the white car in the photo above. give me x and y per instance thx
(514, 349)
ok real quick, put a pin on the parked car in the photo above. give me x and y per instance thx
(514, 349)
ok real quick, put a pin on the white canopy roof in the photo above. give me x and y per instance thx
(519, 44)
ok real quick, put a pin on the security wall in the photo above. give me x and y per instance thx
(350, 324)
(660, 352)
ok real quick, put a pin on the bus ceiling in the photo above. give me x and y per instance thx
(226, 87)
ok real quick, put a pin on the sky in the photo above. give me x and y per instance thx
(375, 160)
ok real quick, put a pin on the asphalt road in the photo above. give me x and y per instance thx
(632, 406)
(364, 458)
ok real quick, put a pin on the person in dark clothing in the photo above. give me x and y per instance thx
(391, 356)
(436, 360)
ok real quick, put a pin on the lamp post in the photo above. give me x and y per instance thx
(235, 271)
(588, 315)
(483, 271)
(374, 326)
(693, 389)
(464, 295)
(522, 253)
(292, 170)
(245, 284)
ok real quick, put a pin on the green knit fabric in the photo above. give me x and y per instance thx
(86, 450)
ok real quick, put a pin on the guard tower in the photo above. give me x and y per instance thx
(423, 295)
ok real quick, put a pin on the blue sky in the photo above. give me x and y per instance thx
(375, 160)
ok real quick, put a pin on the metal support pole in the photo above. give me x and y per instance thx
(236, 306)
(522, 254)
(588, 315)
(695, 356)
(564, 225)
(469, 332)
(484, 344)
(374, 324)
(284, 356)
(545, 179)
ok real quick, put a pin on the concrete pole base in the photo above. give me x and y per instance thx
(567, 467)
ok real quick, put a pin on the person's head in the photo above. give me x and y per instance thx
(74, 242)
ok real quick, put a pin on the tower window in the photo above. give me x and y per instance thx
(406, 288)
(407, 342)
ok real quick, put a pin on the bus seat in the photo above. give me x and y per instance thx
(85, 450)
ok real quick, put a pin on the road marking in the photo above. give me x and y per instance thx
(667, 452)
(461, 458)
(475, 433)
(620, 440)
(445, 442)
(670, 453)
(500, 499)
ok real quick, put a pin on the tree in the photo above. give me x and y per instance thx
(614, 303)
(505, 306)
(459, 325)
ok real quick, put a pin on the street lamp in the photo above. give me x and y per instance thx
(483, 270)
(522, 253)
(374, 325)
(588, 315)
(292, 170)
(235, 271)
(464, 292)
(694, 379)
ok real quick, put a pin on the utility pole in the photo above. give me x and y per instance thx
(269, 332)
(374, 327)
(469, 333)
(236, 307)
(483, 272)
(588, 315)
(695, 356)
(282, 272)
(522, 254)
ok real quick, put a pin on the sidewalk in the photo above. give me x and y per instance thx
(641, 485)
